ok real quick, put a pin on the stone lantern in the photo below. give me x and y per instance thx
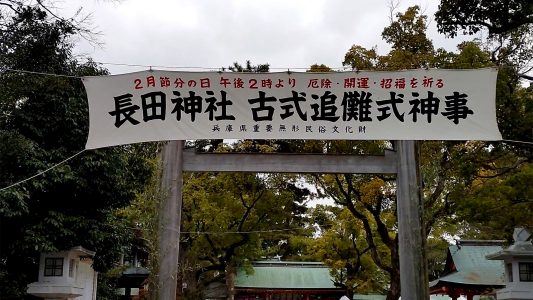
(66, 275)
(518, 259)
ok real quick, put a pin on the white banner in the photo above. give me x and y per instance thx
(406, 105)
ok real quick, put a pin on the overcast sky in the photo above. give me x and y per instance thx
(215, 33)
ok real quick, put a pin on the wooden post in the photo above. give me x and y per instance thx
(170, 219)
(412, 238)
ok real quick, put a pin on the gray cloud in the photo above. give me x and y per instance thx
(214, 33)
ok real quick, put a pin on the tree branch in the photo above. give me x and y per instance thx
(368, 236)
(8, 5)
(525, 76)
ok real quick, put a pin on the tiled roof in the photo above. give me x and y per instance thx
(286, 275)
(471, 265)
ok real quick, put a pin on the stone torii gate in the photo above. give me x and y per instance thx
(403, 162)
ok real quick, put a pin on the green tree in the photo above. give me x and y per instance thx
(360, 58)
(342, 246)
(495, 185)
(142, 217)
(495, 206)
(371, 200)
(509, 24)
(498, 17)
(449, 169)
(238, 218)
(237, 67)
(44, 119)
(319, 68)
(371, 203)
(228, 209)
(411, 48)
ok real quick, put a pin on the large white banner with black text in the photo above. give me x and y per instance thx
(414, 105)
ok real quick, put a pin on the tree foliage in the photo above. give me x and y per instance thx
(231, 219)
(498, 17)
(509, 24)
(248, 67)
(77, 23)
(44, 119)
(319, 68)
(371, 203)
(411, 48)
(450, 170)
(342, 246)
(496, 205)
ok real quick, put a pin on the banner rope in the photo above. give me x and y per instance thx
(41, 73)
(42, 172)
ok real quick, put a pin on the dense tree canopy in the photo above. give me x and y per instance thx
(44, 120)
(342, 246)
(233, 219)
(411, 48)
(496, 16)
(455, 174)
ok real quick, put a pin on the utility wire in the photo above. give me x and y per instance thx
(198, 68)
(234, 232)
(150, 68)
(518, 142)
(344, 68)
(156, 66)
(42, 172)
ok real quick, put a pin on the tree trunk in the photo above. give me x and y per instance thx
(349, 293)
(230, 283)
(351, 274)
(395, 284)
(394, 291)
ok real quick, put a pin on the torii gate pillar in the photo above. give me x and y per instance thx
(411, 231)
(170, 219)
